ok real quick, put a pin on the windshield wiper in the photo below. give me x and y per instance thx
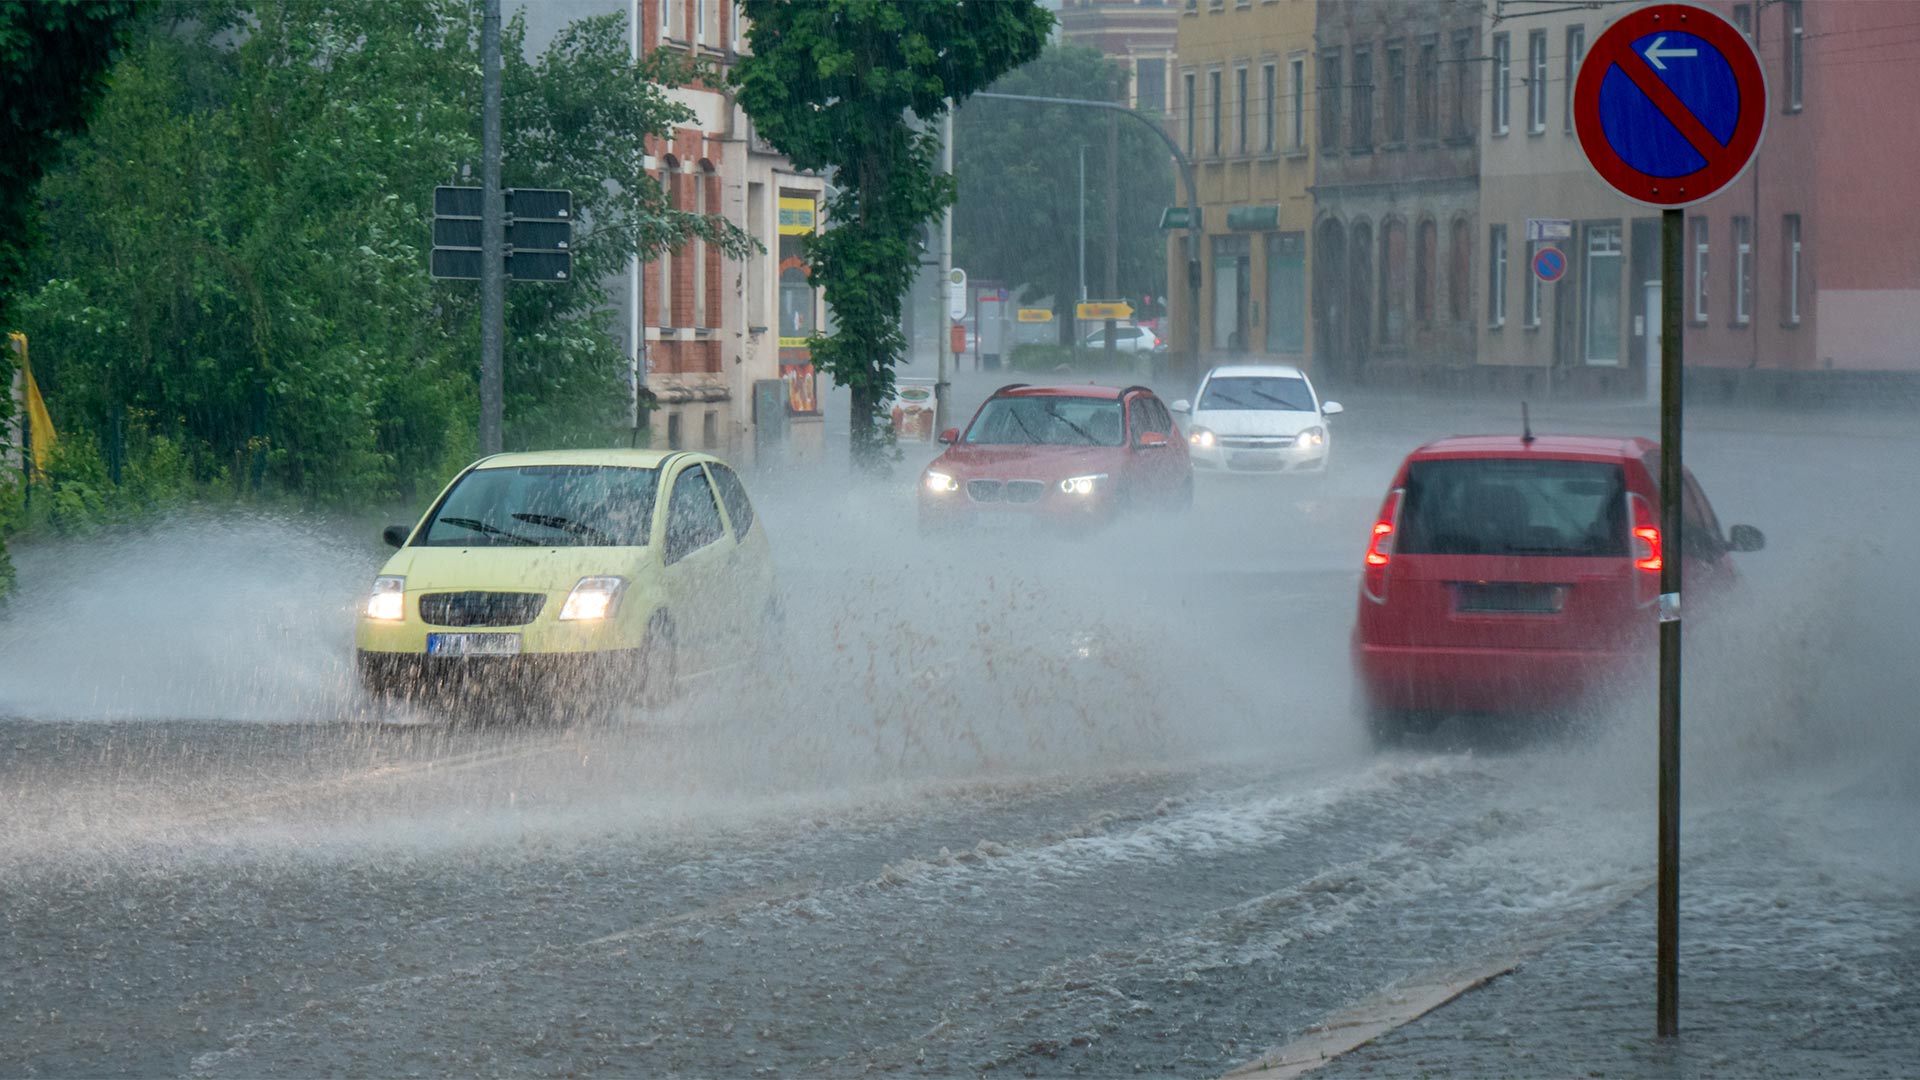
(1078, 430)
(566, 525)
(485, 529)
(1022, 425)
(1282, 402)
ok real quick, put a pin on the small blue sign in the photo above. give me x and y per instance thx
(1549, 264)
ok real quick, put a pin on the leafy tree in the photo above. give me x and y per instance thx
(838, 84)
(54, 58)
(240, 266)
(1017, 215)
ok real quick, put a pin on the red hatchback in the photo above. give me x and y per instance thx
(1517, 575)
(1072, 455)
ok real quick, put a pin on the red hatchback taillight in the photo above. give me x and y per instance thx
(1380, 548)
(1647, 550)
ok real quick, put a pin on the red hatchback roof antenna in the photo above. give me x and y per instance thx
(1526, 426)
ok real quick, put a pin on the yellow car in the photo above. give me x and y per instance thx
(544, 571)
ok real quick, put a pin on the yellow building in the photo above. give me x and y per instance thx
(1243, 115)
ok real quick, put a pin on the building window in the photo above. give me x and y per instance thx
(1537, 82)
(733, 25)
(1790, 273)
(1330, 98)
(1192, 108)
(1362, 100)
(700, 21)
(1699, 270)
(1502, 83)
(1742, 270)
(1466, 88)
(1426, 95)
(1533, 285)
(1496, 275)
(1576, 50)
(1743, 18)
(1796, 53)
(1393, 282)
(1396, 94)
(1603, 294)
(1423, 272)
(1459, 272)
(1150, 85)
(1297, 99)
(1243, 104)
(1269, 88)
(1214, 117)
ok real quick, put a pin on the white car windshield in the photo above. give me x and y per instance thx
(546, 506)
(1271, 393)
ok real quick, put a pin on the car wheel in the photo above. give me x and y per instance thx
(1390, 728)
(658, 665)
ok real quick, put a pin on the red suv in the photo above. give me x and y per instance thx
(1511, 574)
(1076, 455)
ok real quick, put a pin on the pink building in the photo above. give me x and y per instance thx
(1810, 261)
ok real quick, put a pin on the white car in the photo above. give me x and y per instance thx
(1127, 337)
(1258, 418)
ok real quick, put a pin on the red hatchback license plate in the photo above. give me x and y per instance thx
(1508, 598)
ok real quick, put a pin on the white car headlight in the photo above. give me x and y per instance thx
(1201, 438)
(1313, 436)
(941, 483)
(388, 601)
(1081, 485)
(592, 598)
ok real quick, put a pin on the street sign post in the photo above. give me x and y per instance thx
(1670, 104)
(1549, 264)
(956, 294)
(1035, 315)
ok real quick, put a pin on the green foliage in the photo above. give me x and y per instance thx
(1017, 163)
(238, 255)
(837, 85)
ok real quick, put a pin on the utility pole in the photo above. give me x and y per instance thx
(1113, 228)
(493, 266)
(940, 386)
(1083, 226)
(636, 295)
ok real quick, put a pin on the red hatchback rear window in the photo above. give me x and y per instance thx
(1513, 506)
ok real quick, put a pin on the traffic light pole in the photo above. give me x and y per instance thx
(493, 259)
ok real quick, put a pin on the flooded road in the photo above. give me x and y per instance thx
(999, 804)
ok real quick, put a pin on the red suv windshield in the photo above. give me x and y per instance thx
(1048, 421)
(1513, 506)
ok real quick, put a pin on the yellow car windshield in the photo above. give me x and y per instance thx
(546, 506)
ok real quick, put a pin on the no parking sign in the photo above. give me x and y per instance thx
(1670, 104)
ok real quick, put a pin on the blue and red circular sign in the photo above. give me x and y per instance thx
(1549, 264)
(1670, 104)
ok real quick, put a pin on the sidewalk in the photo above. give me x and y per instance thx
(1798, 961)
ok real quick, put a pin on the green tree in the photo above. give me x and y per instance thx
(54, 59)
(1017, 163)
(854, 86)
(240, 266)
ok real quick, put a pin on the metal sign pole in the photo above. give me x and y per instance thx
(1671, 480)
(493, 266)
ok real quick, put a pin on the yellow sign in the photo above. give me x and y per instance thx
(1116, 309)
(1035, 314)
(796, 216)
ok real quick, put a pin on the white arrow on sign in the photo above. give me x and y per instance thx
(1655, 54)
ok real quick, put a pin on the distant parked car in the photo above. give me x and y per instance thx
(1127, 337)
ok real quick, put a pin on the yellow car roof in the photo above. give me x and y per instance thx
(632, 459)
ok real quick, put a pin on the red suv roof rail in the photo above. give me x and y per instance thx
(1010, 387)
(1131, 389)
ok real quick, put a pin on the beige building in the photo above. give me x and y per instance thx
(1137, 33)
(1243, 116)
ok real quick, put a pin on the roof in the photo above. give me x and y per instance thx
(1277, 371)
(1086, 390)
(632, 459)
(1590, 447)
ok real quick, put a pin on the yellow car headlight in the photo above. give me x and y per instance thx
(388, 601)
(592, 598)
(941, 483)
